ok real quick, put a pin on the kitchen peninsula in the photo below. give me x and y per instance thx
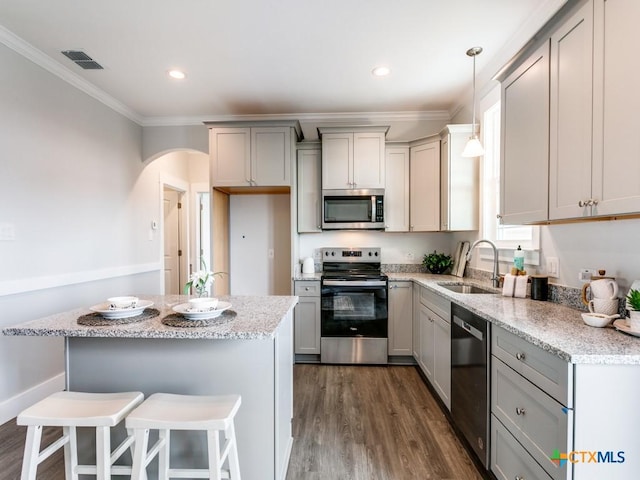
(250, 354)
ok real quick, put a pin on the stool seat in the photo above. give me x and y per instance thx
(80, 409)
(71, 410)
(165, 412)
(185, 412)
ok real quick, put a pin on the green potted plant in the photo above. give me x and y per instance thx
(633, 304)
(437, 262)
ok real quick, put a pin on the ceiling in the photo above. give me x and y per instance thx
(278, 57)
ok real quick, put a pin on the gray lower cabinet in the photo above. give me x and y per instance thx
(400, 318)
(531, 408)
(434, 355)
(307, 317)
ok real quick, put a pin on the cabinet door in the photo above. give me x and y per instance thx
(368, 160)
(442, 359)
(337, 161)
(271, 156)
(309, 193)
(400, 318)
(571, 73)
(616, 169)
(424, 191)
(426, 360)
(396, 193)
(416, 324)
(230, 156)
(307, 326)
(524, 170)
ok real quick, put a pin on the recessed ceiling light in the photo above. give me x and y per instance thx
(381, 71)
(177, 74)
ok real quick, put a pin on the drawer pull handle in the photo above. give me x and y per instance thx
(520, 356)
(518, 477)
(306, 289)
(520, 411)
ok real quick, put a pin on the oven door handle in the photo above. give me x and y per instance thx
(354, 283)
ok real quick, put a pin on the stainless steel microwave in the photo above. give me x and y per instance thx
(353, 209)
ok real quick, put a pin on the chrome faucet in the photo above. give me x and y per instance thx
(495, 278)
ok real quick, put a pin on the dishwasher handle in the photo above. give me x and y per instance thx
(468, 328)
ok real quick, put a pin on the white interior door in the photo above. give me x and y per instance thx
(172, 274)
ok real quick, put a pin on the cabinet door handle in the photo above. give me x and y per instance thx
(520, 411)
(594, 202)
(306, 289)
(585, 203)
(518, 477)
(520, 356)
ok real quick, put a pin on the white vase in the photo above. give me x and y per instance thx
(634, 320)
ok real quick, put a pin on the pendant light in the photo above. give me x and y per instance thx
(473, 148)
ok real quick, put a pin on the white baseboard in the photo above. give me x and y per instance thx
(11, 407)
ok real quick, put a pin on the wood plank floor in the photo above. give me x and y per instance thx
(350, 423)
(371, 423)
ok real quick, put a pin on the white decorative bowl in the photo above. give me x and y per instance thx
(118, 303)
(203, 304)
(598, 319)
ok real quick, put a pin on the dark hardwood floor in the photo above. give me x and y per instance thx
(371, 423)
(350, 423)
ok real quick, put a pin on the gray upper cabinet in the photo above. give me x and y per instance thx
(396, 193)
(524, 166)
(616, 143)
(252, 155)
(309, 195)
(459, 208)
(569, 119)
(353, 157)
(424, 188)
(570, 159)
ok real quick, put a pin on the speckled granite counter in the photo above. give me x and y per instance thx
(257, 317)
(552, 327)
(250, 355)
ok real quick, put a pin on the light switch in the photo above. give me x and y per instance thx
(553, 267)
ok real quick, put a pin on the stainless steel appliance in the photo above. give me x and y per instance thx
(353, 209)
(354, 306)
(470, 375)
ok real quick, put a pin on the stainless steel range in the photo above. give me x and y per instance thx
(354, 318)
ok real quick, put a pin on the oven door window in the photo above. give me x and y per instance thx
(354, 311)
(347, 209)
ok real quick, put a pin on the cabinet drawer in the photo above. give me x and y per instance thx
(543, 369)
(509, 459)
(435, 302)
(307, 288)
(536, 420)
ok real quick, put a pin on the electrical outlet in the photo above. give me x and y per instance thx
(553, 267)
(585, 274)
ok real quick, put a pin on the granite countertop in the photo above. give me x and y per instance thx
(552, 327)
(258, 317)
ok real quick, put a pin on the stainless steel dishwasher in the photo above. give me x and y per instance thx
(470, 374)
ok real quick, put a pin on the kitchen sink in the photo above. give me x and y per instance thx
(464, 288)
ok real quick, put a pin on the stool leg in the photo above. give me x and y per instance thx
(103, 453)
(138, 469)
(213, 446)
(31, 452)
(234, 464)
(70, 453)
(164, 455)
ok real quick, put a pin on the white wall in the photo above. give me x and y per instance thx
(78, 202)
(396, 247)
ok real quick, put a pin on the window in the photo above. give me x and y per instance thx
(506, 237)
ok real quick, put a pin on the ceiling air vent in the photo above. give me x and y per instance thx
(82, 59)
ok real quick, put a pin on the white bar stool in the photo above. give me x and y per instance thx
(165, 412)
(78, 409)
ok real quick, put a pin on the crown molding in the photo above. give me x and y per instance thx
(368, 117)
(38, 57)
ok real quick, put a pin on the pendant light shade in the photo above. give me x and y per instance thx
(473, 148)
